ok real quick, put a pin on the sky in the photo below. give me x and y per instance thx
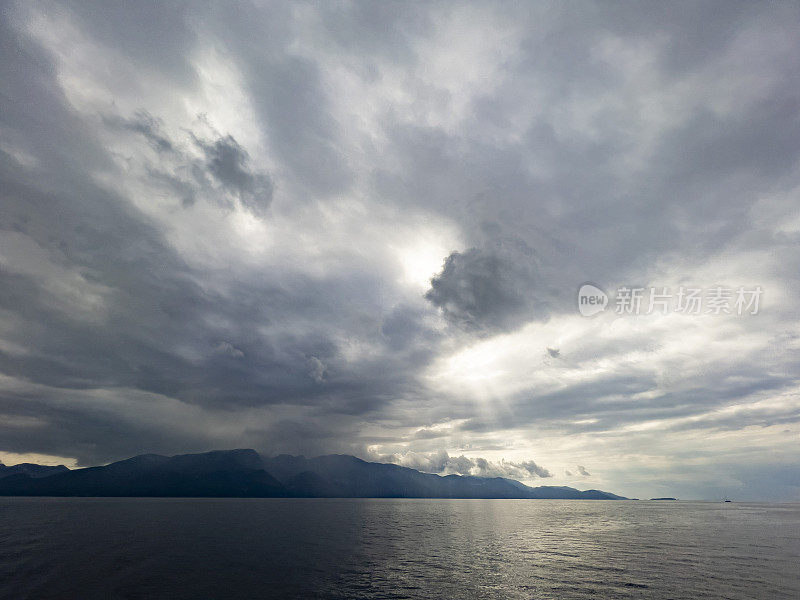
(361, 228)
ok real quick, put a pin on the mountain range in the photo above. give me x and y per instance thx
(245, 474)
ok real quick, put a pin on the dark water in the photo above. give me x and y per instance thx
(438, 549)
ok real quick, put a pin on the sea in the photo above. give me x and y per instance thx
(108, 548)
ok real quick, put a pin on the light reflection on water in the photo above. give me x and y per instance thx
(437, 549)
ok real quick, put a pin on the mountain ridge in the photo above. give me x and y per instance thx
(244, 473)
(32, 470)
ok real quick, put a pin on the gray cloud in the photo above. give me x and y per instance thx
(229, 349)
(228, 163)
(144, 123)
(441, 462)
(316, 369)
(486, 289)
(216, 220)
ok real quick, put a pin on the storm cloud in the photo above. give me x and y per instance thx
(481, 290)
(360, 228)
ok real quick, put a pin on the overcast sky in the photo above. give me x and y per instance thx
(361, 228)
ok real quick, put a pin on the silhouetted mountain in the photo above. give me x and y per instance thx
(347, 476)
(242, 473)
(31, 470)
(232, 473)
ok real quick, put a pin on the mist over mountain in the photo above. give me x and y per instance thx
(243, 473)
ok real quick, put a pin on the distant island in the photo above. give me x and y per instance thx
(245, 474)
(663, 498)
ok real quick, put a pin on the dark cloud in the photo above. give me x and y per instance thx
(158, 325)
(144, 123)
(207, 213)
(488, 289)
(289, 96)
(228, 163)
(475, 288)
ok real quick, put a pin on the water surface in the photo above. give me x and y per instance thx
(110, 548)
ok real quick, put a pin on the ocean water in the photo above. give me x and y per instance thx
(87, 548)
